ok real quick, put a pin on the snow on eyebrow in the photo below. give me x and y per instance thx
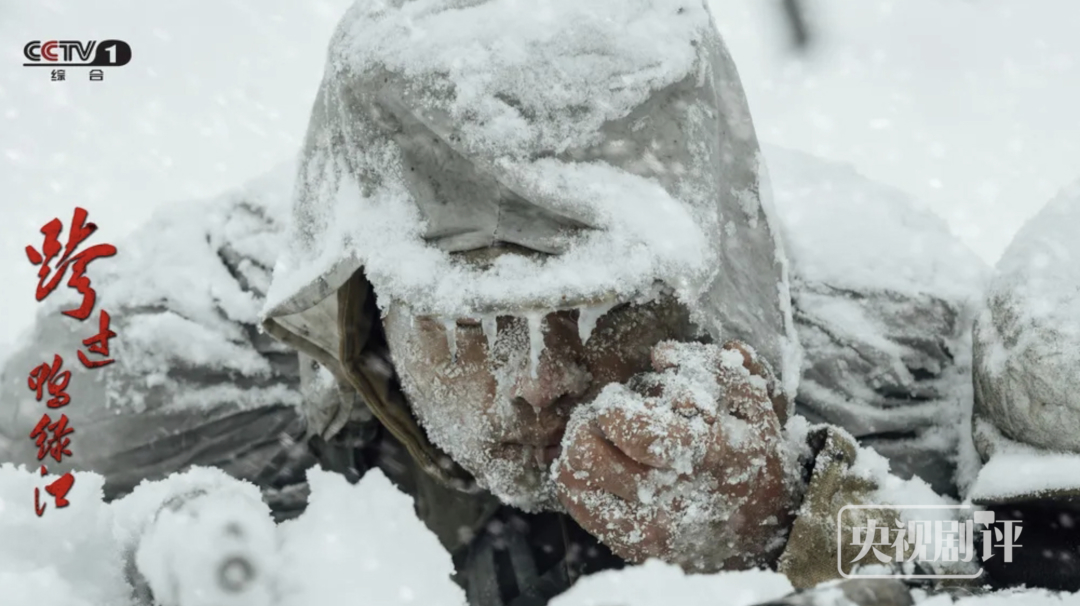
(643, 235)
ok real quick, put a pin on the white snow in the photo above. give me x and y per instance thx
(1015, 469)
(362, 545)
(166, 336)
(643, 235)
(174, 263)
(68, 552)
(882, 288)
(214, 549)
(1014, 474)
(355, 546)
(1028, 334)
(851, 232)
(792, 351)
(655, 583)
(172, 260)
(1038, 280)
(506, 59)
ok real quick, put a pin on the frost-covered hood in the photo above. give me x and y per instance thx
(1026, 356)
(884, 298)
(612, 136)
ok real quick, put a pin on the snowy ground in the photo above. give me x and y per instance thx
(337, 552)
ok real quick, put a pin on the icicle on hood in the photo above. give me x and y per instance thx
(612, 138)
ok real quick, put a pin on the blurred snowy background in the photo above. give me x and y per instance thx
(970, 105)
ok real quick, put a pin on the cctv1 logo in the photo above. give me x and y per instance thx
(77, 53)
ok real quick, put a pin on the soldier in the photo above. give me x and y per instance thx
(531, 257)
(884, 297)
(1026, 422)
(535, 279)
(193, 381)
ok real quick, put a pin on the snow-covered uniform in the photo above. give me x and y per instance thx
(612, 137)
(884, 298)
(194, 381)
(506, 556)
(1026, 421)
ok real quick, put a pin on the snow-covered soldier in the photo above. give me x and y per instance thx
(1027, 398)
(884, 297)
(530, 240)
(193, 382)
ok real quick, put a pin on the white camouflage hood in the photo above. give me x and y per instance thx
(610, 136)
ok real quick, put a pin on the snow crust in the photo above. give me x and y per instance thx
(1015, 469)
(655, 583)
(507, 59)
(185, 289)
(516, 78)
(355, 545)
(1027, 336)
(1038, 279)
(362, 544)
(884, 298)
(642, 234)
(853, 233)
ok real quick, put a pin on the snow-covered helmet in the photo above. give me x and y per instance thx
(611, 139)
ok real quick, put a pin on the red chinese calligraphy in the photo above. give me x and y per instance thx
(80, 231)
(99, 343)
(58, 489)
(57, 444)
(57, 382)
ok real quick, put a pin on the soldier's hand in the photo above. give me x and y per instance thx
(686, 464)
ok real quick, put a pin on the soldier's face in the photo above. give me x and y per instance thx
(499, 404)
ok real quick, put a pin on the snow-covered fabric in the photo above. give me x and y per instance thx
(883, 296)
(1027, 338)
(1027, 353)
(193, 381)
(612, 138)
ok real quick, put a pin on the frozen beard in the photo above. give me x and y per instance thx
(496, 393)
(497, 415)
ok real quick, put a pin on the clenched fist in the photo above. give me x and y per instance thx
(685, 464)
